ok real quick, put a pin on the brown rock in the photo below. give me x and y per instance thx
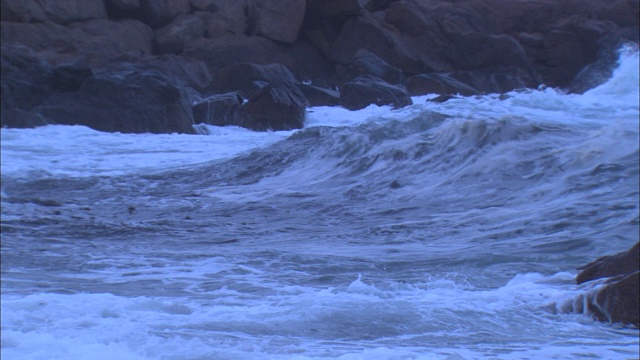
(611, 265)
(278, 20)
(619, 301)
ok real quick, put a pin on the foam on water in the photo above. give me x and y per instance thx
(304, 250)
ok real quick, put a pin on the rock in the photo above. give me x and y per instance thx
(172, 38)
(219, 109)
(66, 11)
(278, 20)
(438, 84)
(318, 96)
(611, 265)
(617, 302)
(133, 101)
(17, 118)
(478, 51)
(69, 77)
(205, 5)
(273, 101)
(367, 63)
(366, 90)
(94, 41)
(231, 19)
(229, 50)
(123, 4)
(441, 98)
(21, 11)
(496, 80)
(157, 13)
(26, 78)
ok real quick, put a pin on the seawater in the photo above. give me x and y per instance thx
(436, 231)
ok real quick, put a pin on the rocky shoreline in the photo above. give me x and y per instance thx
(161, 66)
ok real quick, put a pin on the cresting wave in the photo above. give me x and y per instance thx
(437, 231)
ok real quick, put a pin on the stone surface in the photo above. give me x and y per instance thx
(172, 38)
(66, 11)
(278, 20)
(157, 13)
(219, 109)
(133, 101)
(618, 302)
(319, 96)
(26, 78)
(611, 265)
(438, 84)
(21, 11)
(231, 19)
(366, 90)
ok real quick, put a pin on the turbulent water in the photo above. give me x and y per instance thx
(436, 231)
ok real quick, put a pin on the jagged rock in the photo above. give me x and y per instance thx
(133, 101)
(219, 109)
(278, 20)
(366, 90)
(367, 63)
(172, 38)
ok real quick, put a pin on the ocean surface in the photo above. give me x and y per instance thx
(436, 231)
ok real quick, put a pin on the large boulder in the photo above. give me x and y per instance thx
(231, 19)
(278, 20)
(218, 109)
(157, 13)
(367, 63)
(133, 101)
(26, 78)
(366, 90)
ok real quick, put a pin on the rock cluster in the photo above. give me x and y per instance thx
(151, 65)
(618, 301)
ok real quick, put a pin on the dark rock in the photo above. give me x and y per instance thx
(18, 118)
(366, 90)
(123, 4)
(273, 101)
(278, 20)
(229, 50)
(438, 84)
(26, 78)
(307, 62)
(134, 101)
(66, 11)
(318, 96)
(231, 19)
(496, 80)
(441, 98)
(21, 11)
(477, 51)
(618, 301)
(69, 77)
(205, 5)
(157, 13)
(611, 265)
(172, 38)
(335, 8)
(219, 109)
(94, 41)
(367, 63)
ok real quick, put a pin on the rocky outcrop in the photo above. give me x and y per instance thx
(463, 47)
(618, 300)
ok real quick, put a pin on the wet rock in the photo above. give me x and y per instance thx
(219, 109)
(441, 98)
(133, 101)
(367, 63)
(319, 96)
(611, 265)
(278, 20)
(367, 90)
(21, 119)
(26, 78)
(273, 101)
(618, 300)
